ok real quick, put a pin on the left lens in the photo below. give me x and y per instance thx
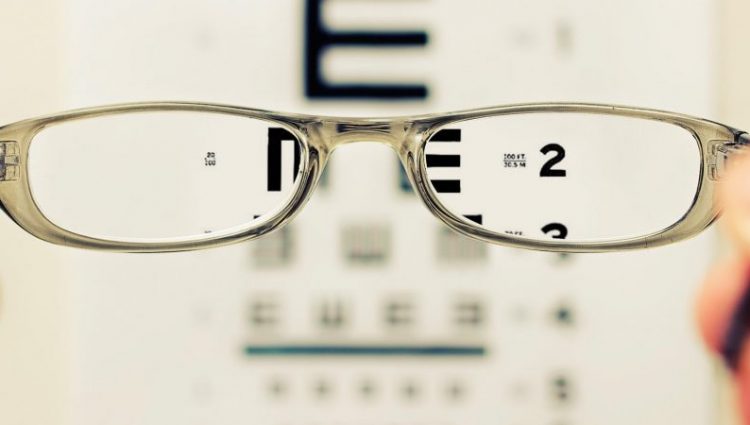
(574, 176)
(151, 176)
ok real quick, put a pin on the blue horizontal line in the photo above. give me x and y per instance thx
(365, 350)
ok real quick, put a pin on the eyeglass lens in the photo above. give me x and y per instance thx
(162, 175)
(574, 176)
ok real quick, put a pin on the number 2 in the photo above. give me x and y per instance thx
(547, 170)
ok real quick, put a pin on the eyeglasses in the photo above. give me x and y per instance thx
(155, 177)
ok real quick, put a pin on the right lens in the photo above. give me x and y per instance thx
(582, 177)
(162, 175)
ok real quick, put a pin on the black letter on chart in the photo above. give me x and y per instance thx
(318, 39)
(275, 138)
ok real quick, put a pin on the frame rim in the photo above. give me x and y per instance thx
(321, 135)
(699, 215)
(18, 201)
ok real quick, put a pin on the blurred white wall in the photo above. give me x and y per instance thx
(734, 81)
(34, 293)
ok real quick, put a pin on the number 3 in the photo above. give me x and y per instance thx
(562, 231)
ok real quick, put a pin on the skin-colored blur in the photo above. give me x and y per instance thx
(729, 278)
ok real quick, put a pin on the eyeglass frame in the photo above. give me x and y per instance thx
(319, 136)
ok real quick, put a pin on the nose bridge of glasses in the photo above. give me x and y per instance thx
(391, 133)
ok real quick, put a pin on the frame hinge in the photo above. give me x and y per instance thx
(9, 160)
(720, 151)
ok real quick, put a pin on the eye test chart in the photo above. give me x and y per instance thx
(366, 309)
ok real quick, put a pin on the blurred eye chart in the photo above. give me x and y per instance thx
(365, 309)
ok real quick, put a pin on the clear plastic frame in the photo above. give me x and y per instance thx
(514, 155)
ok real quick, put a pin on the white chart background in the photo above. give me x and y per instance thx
(159, 339)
